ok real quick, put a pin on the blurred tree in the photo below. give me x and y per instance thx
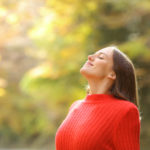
(43, 46)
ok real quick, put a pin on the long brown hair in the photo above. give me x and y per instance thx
(125, 86)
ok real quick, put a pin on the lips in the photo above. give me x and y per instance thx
(89, 63)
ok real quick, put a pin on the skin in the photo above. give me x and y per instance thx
(100, 75)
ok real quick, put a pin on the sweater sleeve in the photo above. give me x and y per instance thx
(127, 133)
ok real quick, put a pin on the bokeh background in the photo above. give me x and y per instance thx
(44, 43)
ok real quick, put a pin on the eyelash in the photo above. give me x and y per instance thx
(101, 57)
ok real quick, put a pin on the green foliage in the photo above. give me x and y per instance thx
(45, 44)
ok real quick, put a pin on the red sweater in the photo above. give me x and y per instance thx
(100, 122)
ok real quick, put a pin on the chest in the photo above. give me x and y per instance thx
(88, 127)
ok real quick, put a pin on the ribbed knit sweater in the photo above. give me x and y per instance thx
(100, 122)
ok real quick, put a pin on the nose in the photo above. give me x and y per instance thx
(90, 57)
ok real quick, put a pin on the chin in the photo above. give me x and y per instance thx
(85, 72)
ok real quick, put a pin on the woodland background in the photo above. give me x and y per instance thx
(44, 43)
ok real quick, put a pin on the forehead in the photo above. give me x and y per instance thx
(108, 51)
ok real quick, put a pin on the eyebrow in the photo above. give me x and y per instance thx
(101, 53)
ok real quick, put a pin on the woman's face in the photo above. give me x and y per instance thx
(99, 65)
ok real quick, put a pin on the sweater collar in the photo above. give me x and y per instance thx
(98, 97)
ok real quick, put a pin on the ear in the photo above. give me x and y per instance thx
(112, 75)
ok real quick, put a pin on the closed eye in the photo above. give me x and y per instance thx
(101, 57)
(101, 54)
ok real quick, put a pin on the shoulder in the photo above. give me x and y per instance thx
(75, 104)
(130, 114)
(125, 106)
(125, 103)
(127, 113)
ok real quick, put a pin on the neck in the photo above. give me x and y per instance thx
(99, 87)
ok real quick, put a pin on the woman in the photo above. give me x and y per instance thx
(108, 117)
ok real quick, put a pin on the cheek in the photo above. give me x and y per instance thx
(101, 68)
